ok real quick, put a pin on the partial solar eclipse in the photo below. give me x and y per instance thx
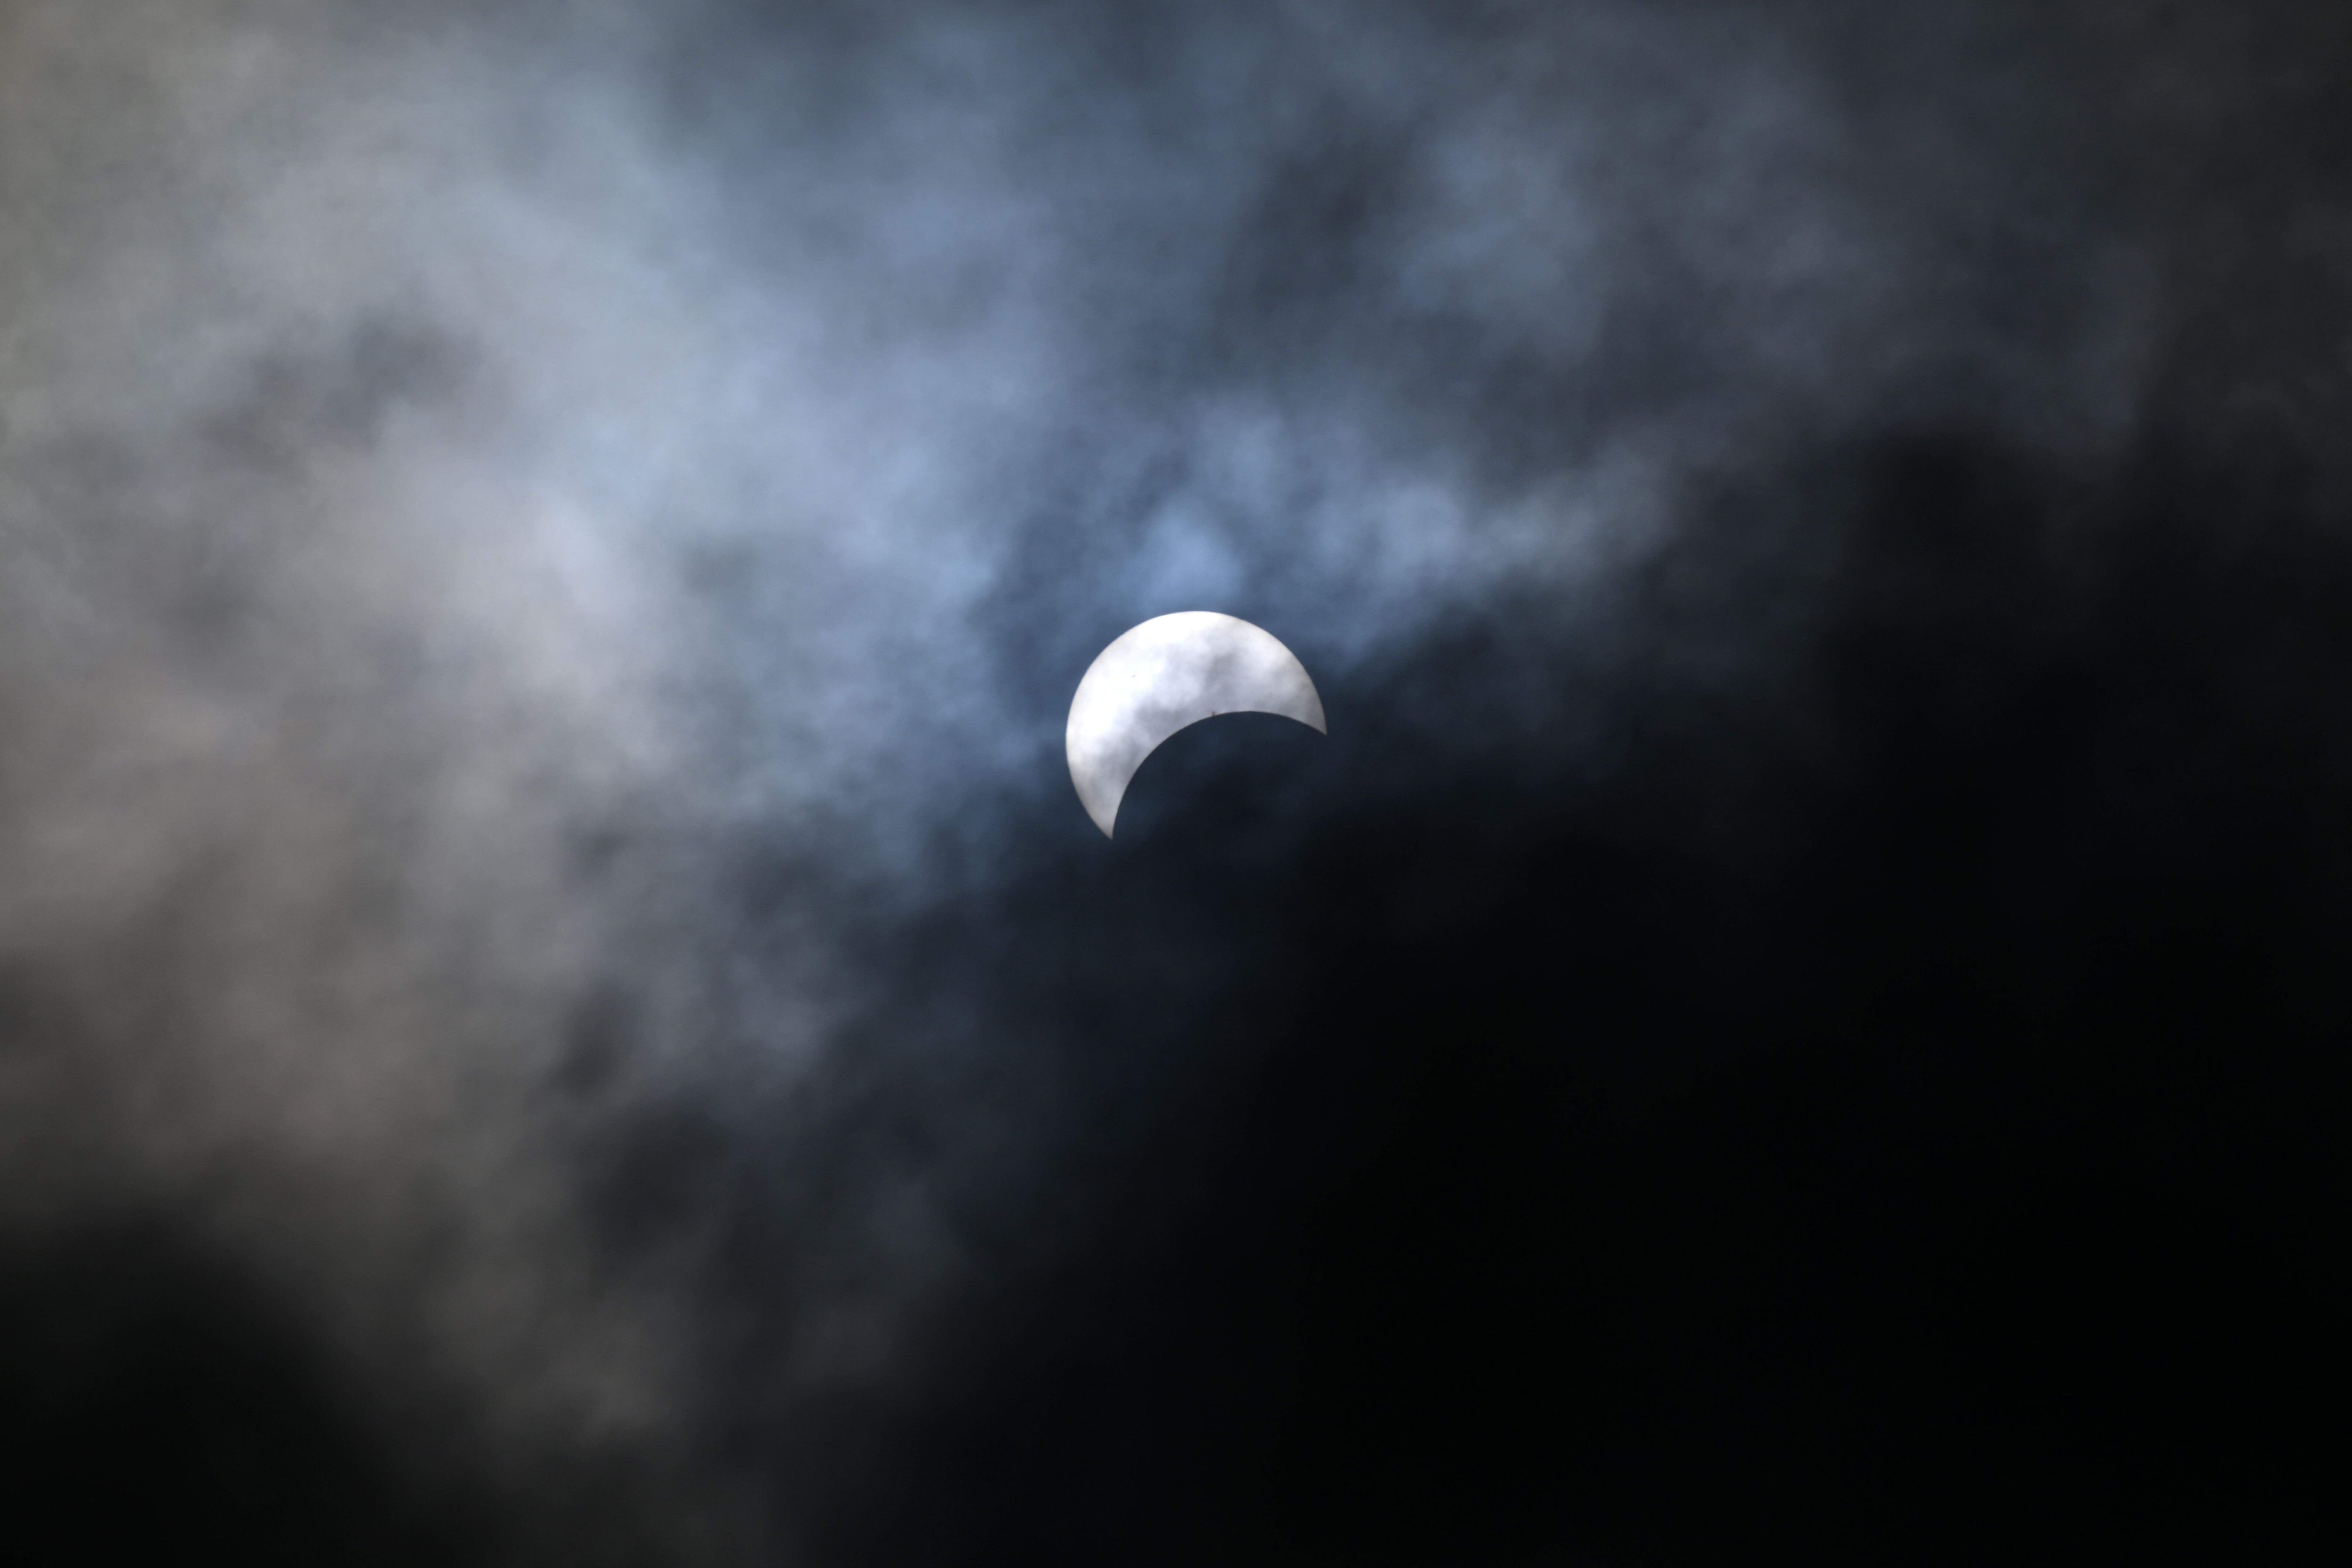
(1168, 672)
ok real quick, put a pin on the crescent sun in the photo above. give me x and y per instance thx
(1168, 672)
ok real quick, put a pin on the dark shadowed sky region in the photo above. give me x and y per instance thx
(558, 1006)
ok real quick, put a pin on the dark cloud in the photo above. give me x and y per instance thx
(558, 1006)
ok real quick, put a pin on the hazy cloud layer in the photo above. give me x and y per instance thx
(546, 554)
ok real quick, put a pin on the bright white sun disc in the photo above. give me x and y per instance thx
(1168, 672)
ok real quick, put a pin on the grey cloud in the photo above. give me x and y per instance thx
(545, 557)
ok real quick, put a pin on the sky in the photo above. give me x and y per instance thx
(557, 1002)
